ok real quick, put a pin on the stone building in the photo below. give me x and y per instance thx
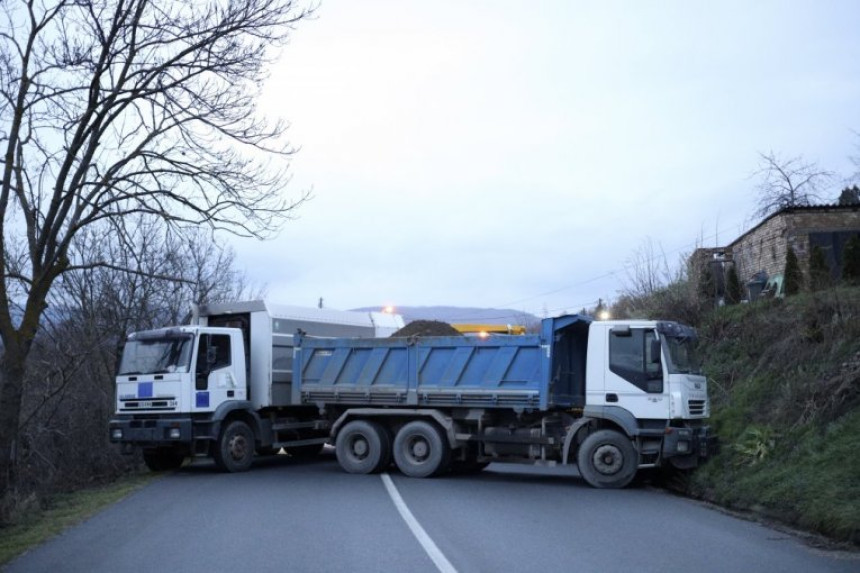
(759, 254)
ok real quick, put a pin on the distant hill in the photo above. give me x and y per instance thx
(456, 314)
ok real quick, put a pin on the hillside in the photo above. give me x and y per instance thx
(785, 383)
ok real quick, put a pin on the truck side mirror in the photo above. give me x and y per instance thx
(655, 351)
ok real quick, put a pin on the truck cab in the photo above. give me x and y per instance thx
(185, 369)
(648, 368)
(172, 384)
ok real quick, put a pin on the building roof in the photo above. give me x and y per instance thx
(795, 209)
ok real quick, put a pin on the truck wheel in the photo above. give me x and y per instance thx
(420, 450)
(235, 450)
(363, 447)
(163, 459)
(607, 459)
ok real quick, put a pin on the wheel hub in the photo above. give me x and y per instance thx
(608, 459)
(420, 449)
(238, 447)
(360, 448)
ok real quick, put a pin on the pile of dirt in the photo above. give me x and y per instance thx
(427, 328)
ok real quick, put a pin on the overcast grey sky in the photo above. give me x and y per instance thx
(516, 154)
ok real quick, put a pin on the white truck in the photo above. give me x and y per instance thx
(612, 397)
(197, 390)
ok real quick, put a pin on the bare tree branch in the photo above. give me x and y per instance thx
(118, 109)
(791, 182)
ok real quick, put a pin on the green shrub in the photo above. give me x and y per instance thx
(792, 278)
(819, 271)
(734, 292)
(851, 261)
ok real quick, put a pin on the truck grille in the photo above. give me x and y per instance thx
(128, 405)
(696, 407)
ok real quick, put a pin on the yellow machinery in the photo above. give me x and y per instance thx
(487, 329)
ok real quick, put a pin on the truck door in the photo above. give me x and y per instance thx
(634, 376)
(242, 321)
(215, 380)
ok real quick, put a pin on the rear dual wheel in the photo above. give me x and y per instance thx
(363, 447)
(420, 450)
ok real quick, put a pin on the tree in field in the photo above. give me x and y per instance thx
(117, 108)
(788, 183)
(851, 261)
(792, 277)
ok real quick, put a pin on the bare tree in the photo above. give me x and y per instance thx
(656, 289)
(647, 270)
(791, 182)
(112, 108)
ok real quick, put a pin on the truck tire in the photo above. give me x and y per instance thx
(235, 449)
(420, 450)
(163, 459)
(363, 447)
(607, 459)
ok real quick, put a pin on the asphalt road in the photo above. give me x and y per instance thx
(310, 516)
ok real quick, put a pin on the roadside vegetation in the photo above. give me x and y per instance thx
(784, 382)
(785, 387)
(783, 370)
(40, 519)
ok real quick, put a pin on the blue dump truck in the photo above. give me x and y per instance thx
(611, 397)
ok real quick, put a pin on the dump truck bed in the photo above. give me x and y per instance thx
(455, 371)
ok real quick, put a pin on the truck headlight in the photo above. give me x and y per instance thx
(174, 434)
(116, 433)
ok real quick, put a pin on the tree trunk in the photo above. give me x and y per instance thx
(11, 391)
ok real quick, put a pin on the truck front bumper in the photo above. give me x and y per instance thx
(150, 432)
(686, 448)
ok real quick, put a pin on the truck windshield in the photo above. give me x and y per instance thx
(683, 357)
(156, 356)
